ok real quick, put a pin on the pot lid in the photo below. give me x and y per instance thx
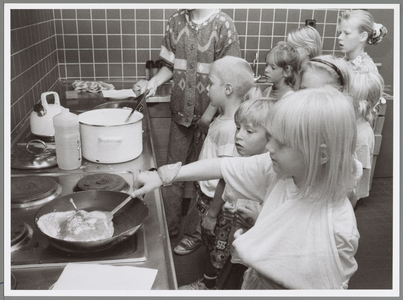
(36, 154)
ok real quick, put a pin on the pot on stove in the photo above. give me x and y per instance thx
(41, 119)
(107, 138)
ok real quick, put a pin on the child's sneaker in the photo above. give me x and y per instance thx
(187, 245)
(198, 285)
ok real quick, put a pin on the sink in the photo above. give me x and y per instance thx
(163, 90)
(117, 104)
(163, 94)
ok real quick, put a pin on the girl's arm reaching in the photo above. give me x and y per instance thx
(197, 171)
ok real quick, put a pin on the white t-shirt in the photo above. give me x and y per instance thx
(295, 243)
(219, 142)
(235, 200)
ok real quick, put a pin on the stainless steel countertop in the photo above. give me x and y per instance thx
(159, 255)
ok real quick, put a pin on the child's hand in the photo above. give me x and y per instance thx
(238, 233)
(228, 211)
(146, 182)
(246, 216)
(208, 224)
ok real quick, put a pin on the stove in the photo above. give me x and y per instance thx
(34, 263)
(31, 249)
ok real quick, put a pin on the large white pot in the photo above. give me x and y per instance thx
(106, 138)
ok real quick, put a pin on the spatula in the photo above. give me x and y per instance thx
(115, 210)
(141, 197)
(124, 203)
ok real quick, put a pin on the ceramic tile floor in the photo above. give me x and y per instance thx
(374, 255)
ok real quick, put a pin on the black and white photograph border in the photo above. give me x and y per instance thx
(378, 215)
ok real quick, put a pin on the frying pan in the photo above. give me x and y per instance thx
(126, 221)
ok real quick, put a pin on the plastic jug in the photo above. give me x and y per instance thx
(67, 140)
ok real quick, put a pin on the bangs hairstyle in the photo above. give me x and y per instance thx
(254, 111)
(362, 19)
(286, 57)
(330, 76)
(235, 71)
(306, 37)
(366, 89)
(308, 119)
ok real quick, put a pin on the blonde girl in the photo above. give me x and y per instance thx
(366, 89)
(325, 70)
(306, 234)
(357, 29)
(291, 245)
(282, 67)
(306, 40)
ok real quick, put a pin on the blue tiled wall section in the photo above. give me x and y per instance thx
(34, 65)
(106, 44)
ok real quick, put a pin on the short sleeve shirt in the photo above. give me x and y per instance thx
(363, 63)
(189, 49)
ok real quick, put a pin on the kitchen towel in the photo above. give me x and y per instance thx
(118, 94)
(76, 276)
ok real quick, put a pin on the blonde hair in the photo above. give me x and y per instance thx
(364, 22)
(306, 37)
(366, 89)
(254, 111)
(335, 71)
(236, 71)
(309, 120)
(286, 57)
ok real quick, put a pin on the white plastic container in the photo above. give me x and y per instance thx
(67, 140)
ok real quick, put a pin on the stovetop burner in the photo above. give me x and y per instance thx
(31, 191)
(21, 234)
(103, 182)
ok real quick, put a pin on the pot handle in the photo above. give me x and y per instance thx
(45, 103)
(44, 145)
(110, 139)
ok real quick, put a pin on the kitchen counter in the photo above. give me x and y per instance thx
(157, 244)
(163, 93)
